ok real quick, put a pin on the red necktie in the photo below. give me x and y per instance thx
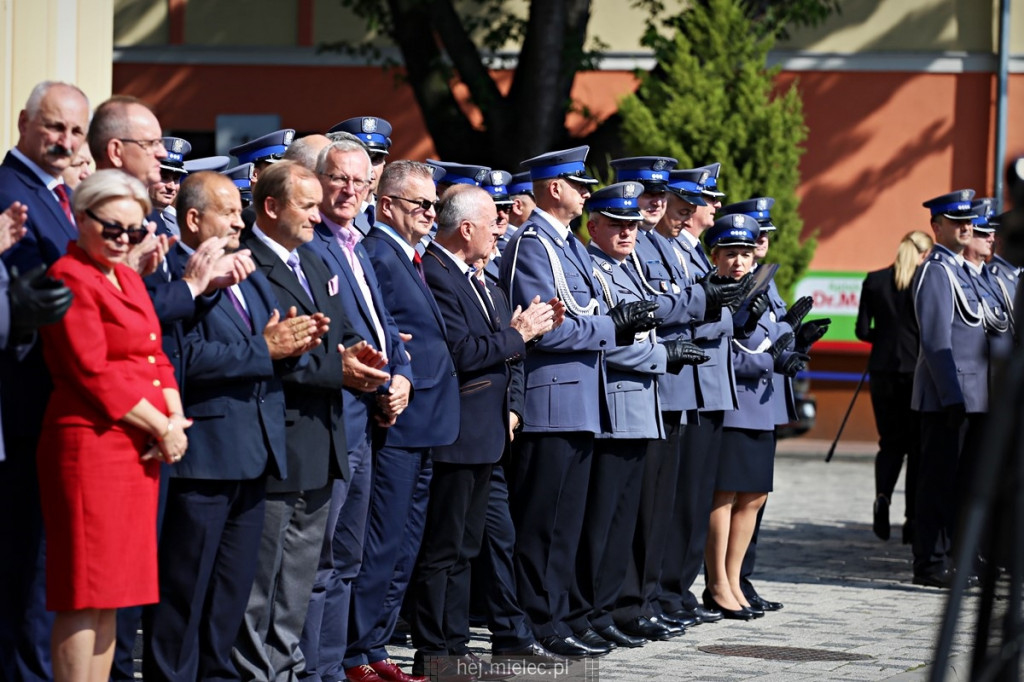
(417, 263)
(61, 191)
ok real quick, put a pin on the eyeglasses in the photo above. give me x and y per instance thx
(151, 146)
(170, 176)
(113, 231)
(358, 184)
(425, 204)
(377, 158)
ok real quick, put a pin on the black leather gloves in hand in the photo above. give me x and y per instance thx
(758, 306)
(793, 364)
(723, 292)
(798, 311)
(632, 317)
(811, 331)
(781, 345)
(36, 300)
(679, 353)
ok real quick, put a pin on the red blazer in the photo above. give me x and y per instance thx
(106, 354)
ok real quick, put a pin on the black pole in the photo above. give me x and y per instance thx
(832, 450)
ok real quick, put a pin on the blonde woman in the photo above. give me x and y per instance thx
(886, 320)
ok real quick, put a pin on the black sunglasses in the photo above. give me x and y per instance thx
(113, 231)
(425, 204)
(377, 158)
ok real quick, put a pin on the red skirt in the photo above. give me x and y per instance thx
(99, 507)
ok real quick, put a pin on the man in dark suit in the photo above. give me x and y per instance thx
(405, 213)
(482, 346)
(51, 129)
(287, 200)
(215, 500)
(336, 240)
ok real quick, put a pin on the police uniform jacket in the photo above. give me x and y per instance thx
(1006, 277)
(634, 370)
(564, 372)
(952, 367)
(783, 395)
(753, 367)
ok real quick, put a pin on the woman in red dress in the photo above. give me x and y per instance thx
(114, 415)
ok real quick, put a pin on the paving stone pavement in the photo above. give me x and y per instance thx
(843, 589)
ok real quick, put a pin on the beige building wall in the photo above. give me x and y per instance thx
(68, 40)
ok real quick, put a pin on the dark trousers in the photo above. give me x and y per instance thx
(208, 549)
(494, 575)
(325, 634)
(653, 526)
(440, 587)
(549, 494)
(613, 502)
(948, 457)
(899, 434)
(398, 505)
(695, 487)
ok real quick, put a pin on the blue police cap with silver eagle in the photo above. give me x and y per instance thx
(269, 147)
(242, 177)
(651, 171)
(520, 184)
(688, 185)
(983, 209)
(496, 184)
(568, 164)
(955, 205)
(374, 132)
(738, 229)
(211, 163)
(460, 173)
(760, 209)
(710, 186)
(617, 201)
(177, 149)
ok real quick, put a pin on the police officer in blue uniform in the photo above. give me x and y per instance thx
(520, 191)
(998, 323)
(242, 176)
(1006, 274)
(950, 384)
(565, 402)
(496, 184)
(260, 152)
(163, 193)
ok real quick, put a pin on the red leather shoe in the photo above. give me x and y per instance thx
(389, 671)
(362, 673)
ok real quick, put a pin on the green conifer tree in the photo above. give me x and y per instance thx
(712, 98)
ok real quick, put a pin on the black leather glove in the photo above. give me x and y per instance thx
(781, 345)
(810, 331)
(955, 415)
(679, 353)
(723, 292)
(632, 317)
(794, 363)
(758, 306)
(798, 311)
(36, 300)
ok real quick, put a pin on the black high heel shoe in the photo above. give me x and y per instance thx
(742, 614)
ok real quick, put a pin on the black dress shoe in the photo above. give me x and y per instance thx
(758, 600)
(880, 522)
(673, 629)
(570, 647)
(644, 627)
(756, 610)
(941, 578)
(682, 618)
(531, 653)
(728, 614)
(707, 615)
(594, 640)
(616, 636)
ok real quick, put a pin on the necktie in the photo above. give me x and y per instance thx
(371, 214)
(61, 191)
(484, 296)
(239, 308)
(417, 262)
(296, 266)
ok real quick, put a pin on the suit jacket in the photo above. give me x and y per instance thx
(885, 319)
(716, 384)
(634, 370)
(481, 345)
(314, 423)
(432, 417)
(952, 366)
(359, 405)
(565, 387)
(25, 382)
(234, 396)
